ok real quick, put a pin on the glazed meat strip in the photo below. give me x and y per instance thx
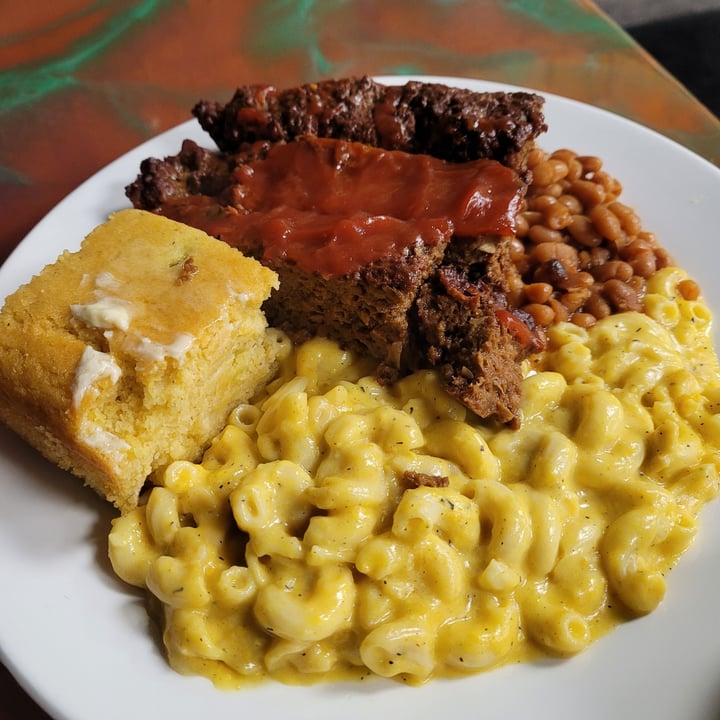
(449, 123)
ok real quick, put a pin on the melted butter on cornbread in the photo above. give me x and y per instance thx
(93, 367)
(129, 353)
(107, 312)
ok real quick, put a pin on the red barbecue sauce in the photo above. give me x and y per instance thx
(332, 206)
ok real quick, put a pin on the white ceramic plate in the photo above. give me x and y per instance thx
(79, 641)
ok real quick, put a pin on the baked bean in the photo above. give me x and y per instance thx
(638, 284)
(516, 249)
(541, 203)
(564, 154)
(597, 306)
(637, 246)
(607, 224)
(589, 193)
(532, 217)
(548, 172)
(584, 257)
(574, 281)
(535, 156)
(560, 312)
(583, 279)
(575, 170)
(689, 289)
(542, 314)
(521, 225)
(612, 186)
(571, 203)
(590, 164)
(613, 270)
(662, 258)
(583, 231)
(540, 234)
(643, 263)
(584, 319)
(514, 297)
(552, 272)
(546, 252)
(599, 256)
(627, 216)
(538, 292)
(648, 237)
(557, 216)
(573, 300)
(556, 189)
(620, 296)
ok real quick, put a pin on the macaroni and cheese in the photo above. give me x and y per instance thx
(339, 527)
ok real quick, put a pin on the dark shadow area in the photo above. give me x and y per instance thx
(689, 48)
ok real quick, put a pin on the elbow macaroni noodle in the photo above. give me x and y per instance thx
(304, 545)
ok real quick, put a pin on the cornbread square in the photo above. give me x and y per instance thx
(131, 352)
